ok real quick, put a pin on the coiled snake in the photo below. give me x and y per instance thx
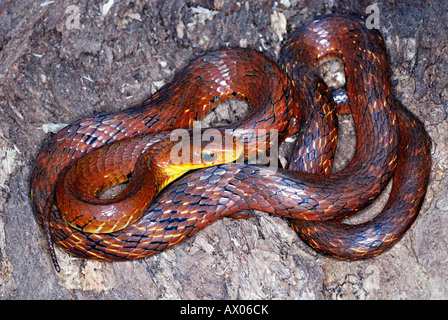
(289, 97)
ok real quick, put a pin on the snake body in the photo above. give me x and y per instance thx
(290, 98)
(153, 169)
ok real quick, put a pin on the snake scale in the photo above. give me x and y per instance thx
(287, 96)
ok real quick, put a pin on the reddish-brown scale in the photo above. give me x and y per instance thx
(151, 169)
(289, 100)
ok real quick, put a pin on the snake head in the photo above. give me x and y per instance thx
(198, 150)
(211, 148)
(222, 149)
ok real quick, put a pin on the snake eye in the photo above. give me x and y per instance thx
(208, 156)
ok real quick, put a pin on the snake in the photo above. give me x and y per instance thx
(284, 98)
(78, 195)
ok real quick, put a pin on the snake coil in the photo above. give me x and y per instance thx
(289, 97)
